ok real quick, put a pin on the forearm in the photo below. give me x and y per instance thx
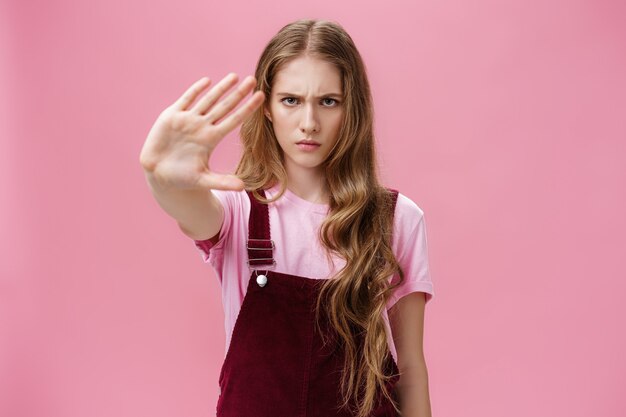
(198, 212)
(413, 392)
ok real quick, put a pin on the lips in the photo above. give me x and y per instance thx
(308, 145)
(308, 142)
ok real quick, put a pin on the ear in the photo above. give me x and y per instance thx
(267, 113)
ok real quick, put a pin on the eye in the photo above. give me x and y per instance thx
(287, 98)
(331, 99)
(333, 102)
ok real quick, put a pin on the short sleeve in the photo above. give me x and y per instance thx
(410, 245)
(207, 249)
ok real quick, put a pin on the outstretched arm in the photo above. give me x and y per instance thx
(406, 319)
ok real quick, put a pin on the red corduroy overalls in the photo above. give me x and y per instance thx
(276, 364)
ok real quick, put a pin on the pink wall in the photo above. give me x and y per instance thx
(503, 120)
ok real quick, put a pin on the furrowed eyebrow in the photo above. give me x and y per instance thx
(322, 96)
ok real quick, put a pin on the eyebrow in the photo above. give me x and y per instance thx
(298, 96)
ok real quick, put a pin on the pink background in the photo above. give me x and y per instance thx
(503, 120)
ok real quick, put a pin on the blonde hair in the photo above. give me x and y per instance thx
(360, 221)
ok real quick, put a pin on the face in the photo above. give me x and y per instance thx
(306, 103)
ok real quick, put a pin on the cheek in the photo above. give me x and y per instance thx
(278, 117)
(279, 111)
(336, 121)
(281, 121)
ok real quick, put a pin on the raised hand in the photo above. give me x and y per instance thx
(178, 147)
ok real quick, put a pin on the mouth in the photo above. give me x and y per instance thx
(308, 145)
(308, 142)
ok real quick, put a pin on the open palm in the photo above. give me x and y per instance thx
(178, 148)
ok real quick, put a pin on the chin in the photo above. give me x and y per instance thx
(307, 164)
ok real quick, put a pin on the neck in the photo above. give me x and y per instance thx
(307, 183)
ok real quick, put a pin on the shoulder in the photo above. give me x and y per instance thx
(408, 214)
(231, 193)
(408, 230)
(233, 198)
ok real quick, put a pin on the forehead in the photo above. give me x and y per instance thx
(308, 75)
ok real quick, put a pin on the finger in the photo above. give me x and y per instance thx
(192, 92)
(242, 113)
(214, 181)
(205, 103)
(219, 110)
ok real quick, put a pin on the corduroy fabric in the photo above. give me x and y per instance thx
(276, 364)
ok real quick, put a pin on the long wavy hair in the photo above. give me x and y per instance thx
(359, 224)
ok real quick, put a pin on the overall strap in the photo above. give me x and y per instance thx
(260, 244)
(394, 200)
(394, 196)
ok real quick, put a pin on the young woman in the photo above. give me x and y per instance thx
(324, 271)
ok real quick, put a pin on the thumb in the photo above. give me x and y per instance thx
(214, 181)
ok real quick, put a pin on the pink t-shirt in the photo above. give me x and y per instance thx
(294, 224)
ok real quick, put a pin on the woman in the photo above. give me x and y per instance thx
(324, 271)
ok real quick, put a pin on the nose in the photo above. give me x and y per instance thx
(309, 122)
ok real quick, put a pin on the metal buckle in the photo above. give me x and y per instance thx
(271, 248)
(260, 259)
(263, 240)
